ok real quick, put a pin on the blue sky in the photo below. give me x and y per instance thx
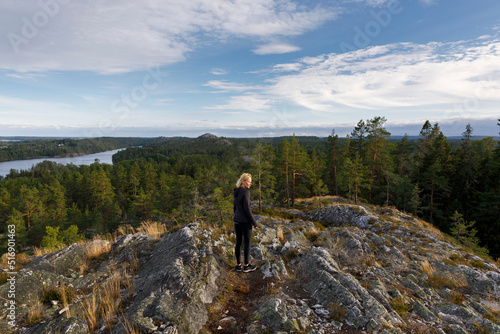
(247, 68)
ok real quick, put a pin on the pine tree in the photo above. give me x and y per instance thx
(283, 170)
(465, 175)
(298, 166)
(333, 161)
(358, 139)
(377, 146)
(315, 171)
(354, 177)
(465, 233)
(432, 161)
(263, 160)
(403, 156)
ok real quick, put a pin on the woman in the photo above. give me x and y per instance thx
(243, 221)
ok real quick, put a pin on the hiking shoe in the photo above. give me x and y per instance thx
(238, 267)
(248, 268)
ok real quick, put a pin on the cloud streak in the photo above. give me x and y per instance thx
(118, 37)
(400, 76)
(275, 48)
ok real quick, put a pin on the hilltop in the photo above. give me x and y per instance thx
(340, 268)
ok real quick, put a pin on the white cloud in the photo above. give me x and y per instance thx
(291, 67)
(397, 75)
(248, 102)
(379, 3)
(224, 86)
(24, 76)
(219, 71)
(275, 48)
(117, 37)
(397, 78)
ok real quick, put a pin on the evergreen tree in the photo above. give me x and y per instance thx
(434, 168)
(358, 138)
(402, 156)
(298, 166)
(465, 175)
(379, 160)
(465, 232)
(333, 160)
(263, 159)
(16, 219)
(354, 177)
(283, 171)
(314, 173)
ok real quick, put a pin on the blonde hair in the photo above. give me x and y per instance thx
(243, 177)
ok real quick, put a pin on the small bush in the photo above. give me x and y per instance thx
(62, 294)
(311, 236)
(477, 264)
(439, 281)
(456, 298)
(292, 253)
(337, 312)
(400, 306)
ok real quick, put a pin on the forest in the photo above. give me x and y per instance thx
(44, 148)
(454, 186)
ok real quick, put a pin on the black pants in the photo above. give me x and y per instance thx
(243, 232)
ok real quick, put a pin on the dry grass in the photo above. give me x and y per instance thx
(154, 229)
(34, 312)
(401, 306)
(21, 259)
(427, 268)
(456, 298)
(125, 229)
(437, 280)
(65, 301)
(337, 312)
(279, 234)
(129, 327)
(90, 310)
(96, 248)
(312, 199)
(110, 300)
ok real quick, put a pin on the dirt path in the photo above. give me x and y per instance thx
(232, 311)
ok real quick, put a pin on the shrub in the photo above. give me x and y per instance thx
(56, 239)
(337, 312)
(62, 294)
(400, 306)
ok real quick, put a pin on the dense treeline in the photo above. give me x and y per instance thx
(45, 148)
(179, 180)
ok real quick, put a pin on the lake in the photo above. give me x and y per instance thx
(104, 157)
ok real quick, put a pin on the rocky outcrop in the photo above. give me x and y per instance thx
(174, 285)
(339, 269)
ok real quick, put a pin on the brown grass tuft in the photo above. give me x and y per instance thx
(90, 310)
(110, 300)
(34, 312)
(154, 229)
(96, 248)
(280, 235)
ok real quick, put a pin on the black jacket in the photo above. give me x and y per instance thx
(242, 207)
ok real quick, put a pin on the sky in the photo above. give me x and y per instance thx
(247, 68)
